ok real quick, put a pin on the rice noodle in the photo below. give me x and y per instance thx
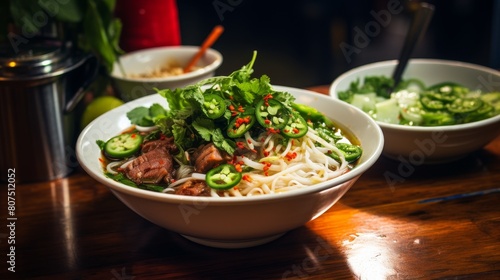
(193, 176)
(278, 171)
(123, 166)
(110, 167)
(146, 128)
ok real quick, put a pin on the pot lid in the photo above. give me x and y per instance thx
(39, 57)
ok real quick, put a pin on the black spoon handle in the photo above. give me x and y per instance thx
(418, 27)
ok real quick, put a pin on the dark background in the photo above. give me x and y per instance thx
(299, 41)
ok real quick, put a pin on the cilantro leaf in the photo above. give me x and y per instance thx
(245, 72)
(140, 116)
(157, 111)
(204, 127)
(207, 130)
(144, 116)
(284, 97)
(221, 142)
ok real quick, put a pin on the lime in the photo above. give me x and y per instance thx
(97, 107)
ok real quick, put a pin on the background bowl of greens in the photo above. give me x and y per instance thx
(441, 111)
(139, 73)
(236, 221)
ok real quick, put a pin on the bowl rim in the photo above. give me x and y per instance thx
(195, 73)
(445, 128)
(172, 198)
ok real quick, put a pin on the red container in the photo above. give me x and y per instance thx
(148, 23)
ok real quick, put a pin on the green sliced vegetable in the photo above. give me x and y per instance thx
(449, 88)
(328, 134)
(437, 118)
(388, 111)
(223, 177)
(271, 113)
(296, 126)
(465, 105)
(412, 114)
(445, 103)
(214, 105)
(445, 97)
(430, 103)
(123, 145)
(481, 113)
(239, 125)
(365, 101)
(351, 152)
(311, 114)
(493, 98)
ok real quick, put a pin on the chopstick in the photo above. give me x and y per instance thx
(209, 41)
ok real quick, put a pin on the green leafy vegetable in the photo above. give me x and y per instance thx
(143, 116)
(101, 144)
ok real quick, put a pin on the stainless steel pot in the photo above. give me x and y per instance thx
(39, 89)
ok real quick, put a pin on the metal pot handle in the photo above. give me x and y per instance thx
(93, 69)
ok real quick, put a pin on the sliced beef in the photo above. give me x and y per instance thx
(167, 143)
(208, 156)
(193, 188)
(151, 167)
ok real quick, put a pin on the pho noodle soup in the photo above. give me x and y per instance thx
(228, 136)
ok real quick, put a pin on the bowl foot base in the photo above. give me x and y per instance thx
(233, 244)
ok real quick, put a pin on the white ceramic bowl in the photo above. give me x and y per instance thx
(429, 145)
(236, 221)
(148, 60)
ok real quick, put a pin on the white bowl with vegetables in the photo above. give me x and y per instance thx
(440, 112)
(268, 163)
(140, 73)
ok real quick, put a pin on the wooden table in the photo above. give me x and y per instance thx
(440, 222)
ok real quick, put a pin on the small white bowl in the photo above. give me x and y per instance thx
(430, 145)
(148, 60)
(234, 222)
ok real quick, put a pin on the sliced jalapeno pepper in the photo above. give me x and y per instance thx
(223, 177)
(328, 134)
(123, 145)
(296, 126)
(449, 88)
(437, 118)
(310, 113)
(465, 105)
(214, 105)
(480, 114)
(446, 97)
(492, 98)
(271, 113)
(430, 103)
(351, 152)
(239, 125)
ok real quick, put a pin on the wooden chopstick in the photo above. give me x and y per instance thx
(209, 41)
